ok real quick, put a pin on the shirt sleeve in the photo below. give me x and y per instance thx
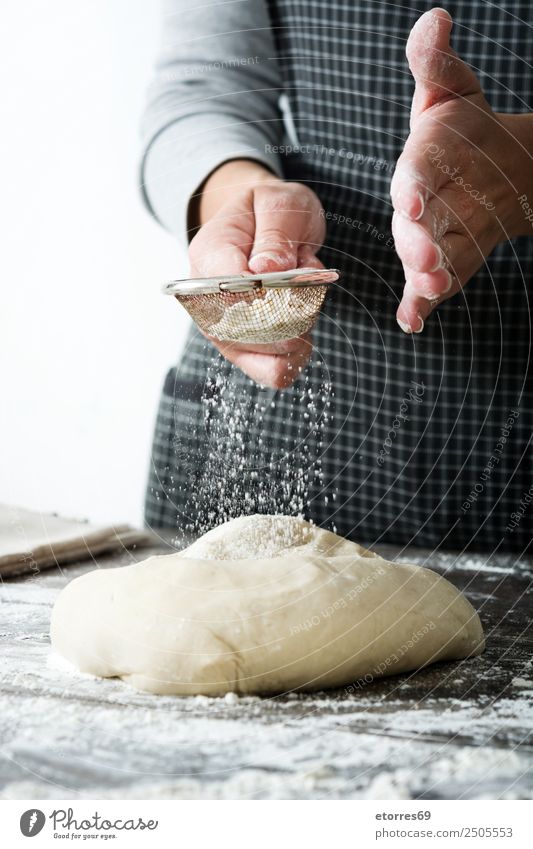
(214, 98)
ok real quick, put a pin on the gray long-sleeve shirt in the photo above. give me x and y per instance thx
(215, 98)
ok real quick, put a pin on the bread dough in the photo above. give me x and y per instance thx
(261, 604)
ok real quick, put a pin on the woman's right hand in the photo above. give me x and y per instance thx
(251, 221)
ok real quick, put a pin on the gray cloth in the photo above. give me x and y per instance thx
(31, 541)
(214, 98)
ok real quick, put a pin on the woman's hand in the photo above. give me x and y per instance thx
(457, 185)
(255, 222)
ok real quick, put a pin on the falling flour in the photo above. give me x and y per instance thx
(242, 470)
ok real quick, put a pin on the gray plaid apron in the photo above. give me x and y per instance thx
(420, 439)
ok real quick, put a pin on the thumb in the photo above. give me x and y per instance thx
(276, 242)
(287, 218)
(438, 71)
(273, 250)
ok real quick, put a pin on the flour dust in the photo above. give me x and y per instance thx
(260, 449)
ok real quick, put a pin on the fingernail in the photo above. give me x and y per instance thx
(269, 256)
(422, 206)
(409, 215)
(440, 259)
(436, 295)
(420, 329)
(405, 327)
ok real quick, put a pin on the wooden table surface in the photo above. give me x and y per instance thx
(456, 730)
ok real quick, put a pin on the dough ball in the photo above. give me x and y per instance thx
(261, 537)
(261, 604)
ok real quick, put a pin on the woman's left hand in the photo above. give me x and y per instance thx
(464, 179)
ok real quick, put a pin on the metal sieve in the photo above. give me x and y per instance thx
(257, 308)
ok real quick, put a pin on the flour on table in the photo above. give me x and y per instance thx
(261, 604)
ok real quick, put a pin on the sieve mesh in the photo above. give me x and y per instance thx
(263, 316)
(260, 308)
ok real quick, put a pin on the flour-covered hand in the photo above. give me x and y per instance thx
(457, 186)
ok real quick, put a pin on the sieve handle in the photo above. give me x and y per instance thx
(240, 285)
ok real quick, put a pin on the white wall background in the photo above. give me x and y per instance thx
(85, 336)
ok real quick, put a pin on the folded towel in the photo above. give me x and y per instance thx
(31, 541)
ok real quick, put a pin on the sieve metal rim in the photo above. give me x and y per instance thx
(295, 278)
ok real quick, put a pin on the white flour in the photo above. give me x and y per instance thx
(280, 314)
(254, 538)
(242, 472)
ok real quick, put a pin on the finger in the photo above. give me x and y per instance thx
(420, 296)
(418, 177)
(430, 286)
(438, 71)
(414, 309)
(277, 370)
(284, 222)
(416, 242)
(219, 258)
(220, 247)
(449, 211)
(307, 257)
(413, 244)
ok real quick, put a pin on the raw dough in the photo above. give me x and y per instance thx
(261, 604)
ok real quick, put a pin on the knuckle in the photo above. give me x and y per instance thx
(283, 195)
(270, 236)
(466, 205)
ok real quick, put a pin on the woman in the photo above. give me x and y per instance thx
(272, 133)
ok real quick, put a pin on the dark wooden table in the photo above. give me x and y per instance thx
(456, 730)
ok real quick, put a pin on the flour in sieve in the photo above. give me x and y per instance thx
(280, 314)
